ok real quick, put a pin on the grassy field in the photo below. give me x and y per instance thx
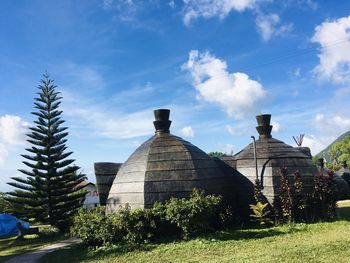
(321, 242)
(10, 247)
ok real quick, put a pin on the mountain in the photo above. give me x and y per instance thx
(323, 153)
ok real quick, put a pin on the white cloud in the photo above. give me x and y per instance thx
(187, 132)
(334, 39)
(12, 134)
(230, 129)
(12, 130)
(117, 125)
(269, 26)
(317, 144)
(333, 125)
(210, 8)
(330, 127)
(228, 149)
(172, 4)
(85, 77)
(235, 92)
(276, 126)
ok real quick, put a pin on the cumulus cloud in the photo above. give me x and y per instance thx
(330, 127)
(187, 132)
(117, 126)
(334, 55)
(12, 130)
(228, 149)
(317, 144)
(12, 133)
(235, 92)
(268, 25)
(210, 8)
(332, 124)
(276, 126)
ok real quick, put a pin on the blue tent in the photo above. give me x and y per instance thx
(9, 225)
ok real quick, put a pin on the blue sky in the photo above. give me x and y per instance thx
(215, 63)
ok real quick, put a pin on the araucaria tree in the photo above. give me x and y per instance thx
(49, 193)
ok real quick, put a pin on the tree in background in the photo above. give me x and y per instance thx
(49, 192)
(216, 154)
(4, 204)
(339, 151)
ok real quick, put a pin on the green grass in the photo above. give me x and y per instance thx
(10, 247)
(321, 242)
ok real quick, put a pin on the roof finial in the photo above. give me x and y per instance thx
(264, 128)
(162, 122)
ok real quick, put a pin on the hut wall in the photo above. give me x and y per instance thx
(105, 173)
(269, 171)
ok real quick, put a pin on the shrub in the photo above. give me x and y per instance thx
(261, 214)
(184, 217)
(323, 199)
(94, 227)
(136, 226)
(194, 215)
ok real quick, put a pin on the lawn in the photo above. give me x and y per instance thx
(10, 247)
(321, 242)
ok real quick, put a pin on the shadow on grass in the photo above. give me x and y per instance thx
(82, 252)
(253, 233)
(14, 246)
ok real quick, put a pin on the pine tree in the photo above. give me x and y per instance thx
(49, 193)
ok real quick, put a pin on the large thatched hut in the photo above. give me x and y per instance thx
(165, 166)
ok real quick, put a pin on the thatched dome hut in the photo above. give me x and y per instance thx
(342, 190)
(271, 155)
(165, 166)
(344, 172)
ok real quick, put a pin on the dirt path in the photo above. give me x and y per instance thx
(34, 256)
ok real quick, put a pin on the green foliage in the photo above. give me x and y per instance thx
(49, 191)
(138, 225)
(193, 215)
(293, 205)
(312, 243)
(323, 201)
(261, 213)
(94, 227)
(338, 152)
(285, 200)
(216, 154)
(184, 217)
(5, 206)
(333, 166)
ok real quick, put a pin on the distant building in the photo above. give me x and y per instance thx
(92, 199)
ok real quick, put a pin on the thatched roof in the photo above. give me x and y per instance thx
(164, 166)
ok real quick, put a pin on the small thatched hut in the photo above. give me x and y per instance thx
(271, 156)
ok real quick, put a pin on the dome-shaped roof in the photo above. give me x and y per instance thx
(270, 148)
(342, 190)
(271, 155)
(164, 166)
(344, 172)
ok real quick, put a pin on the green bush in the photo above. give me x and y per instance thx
(194, 215)
(261, 214)
(94, 227)
(184, 217)
(136, 226)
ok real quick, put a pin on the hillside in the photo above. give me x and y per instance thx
(324, 154)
